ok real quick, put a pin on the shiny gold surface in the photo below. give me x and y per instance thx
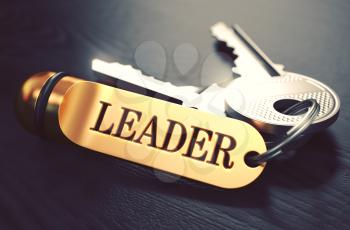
(28, 95)
(81, 107)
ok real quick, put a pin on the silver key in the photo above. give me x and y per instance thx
(210, 100)
(187, 94)
(265, 89)
(239, 96)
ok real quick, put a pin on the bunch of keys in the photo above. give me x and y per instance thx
(265, 95)
(212, 135)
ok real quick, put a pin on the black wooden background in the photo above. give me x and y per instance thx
(46, 185)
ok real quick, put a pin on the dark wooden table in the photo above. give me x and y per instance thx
(46, 185)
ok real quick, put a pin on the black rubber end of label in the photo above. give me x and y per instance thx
(42, 101)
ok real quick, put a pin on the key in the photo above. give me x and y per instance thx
(115, 72)
(240, 98)
(264, 89)
(210, 100)
(249, 54)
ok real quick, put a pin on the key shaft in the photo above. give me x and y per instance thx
(116, 71)
(264, 59)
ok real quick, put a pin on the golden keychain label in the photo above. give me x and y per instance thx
(161, 135)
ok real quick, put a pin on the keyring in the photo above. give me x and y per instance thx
(313, 109)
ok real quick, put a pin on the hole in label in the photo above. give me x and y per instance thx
(248, 159)
(283, 104)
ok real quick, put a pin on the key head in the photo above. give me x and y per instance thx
(261, 102)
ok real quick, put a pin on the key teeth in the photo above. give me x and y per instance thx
(220, 30)
(215, 31)
(279, 67)
(236, 71)
(139, 72)
(131, 68)
(149, 82)
(222, 33)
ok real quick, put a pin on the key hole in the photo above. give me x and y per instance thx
(283, 104)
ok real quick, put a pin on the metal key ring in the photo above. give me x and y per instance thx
(294, 132)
